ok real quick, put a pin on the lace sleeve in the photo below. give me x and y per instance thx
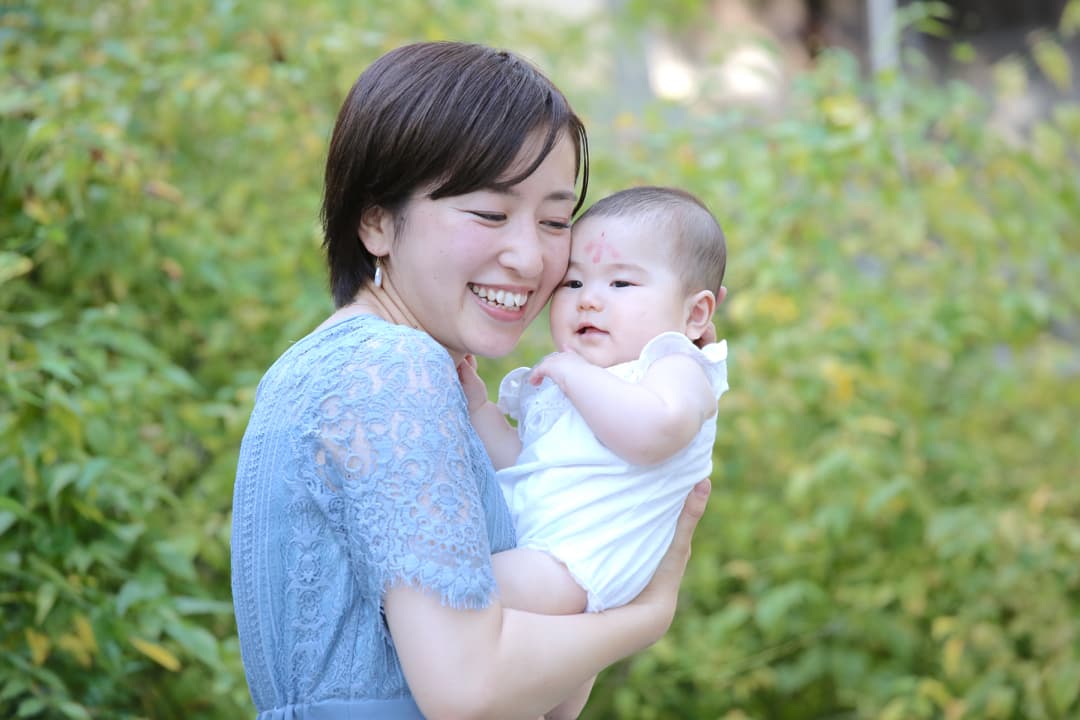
(390, 452)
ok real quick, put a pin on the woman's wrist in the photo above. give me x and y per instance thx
(657, 607)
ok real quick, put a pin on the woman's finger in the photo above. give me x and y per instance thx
(693, 509)
(669, 574)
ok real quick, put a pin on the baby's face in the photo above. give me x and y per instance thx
(619, 292)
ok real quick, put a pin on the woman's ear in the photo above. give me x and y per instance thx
(699, 311)
(376, 230)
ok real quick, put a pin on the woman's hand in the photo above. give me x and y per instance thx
(709, 336)
(662, 592)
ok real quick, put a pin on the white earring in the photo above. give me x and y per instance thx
(378, 273)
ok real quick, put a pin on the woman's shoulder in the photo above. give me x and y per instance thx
(366, 340)
(339, 355)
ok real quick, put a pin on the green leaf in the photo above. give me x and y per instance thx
(7, 519)
(1070, 19)
(13, 265)
(92, 469)
(778, 603)
(38, 319)
(30, 707)
(73, 710)
(202, 606)
(886, 493)
(139, 589)
(197, 641)
(59, 477)
(1053, 61)
(14, 101)
(1061, 682)
(14, 686)
(14, 507)
(176, 556)
(45, 599)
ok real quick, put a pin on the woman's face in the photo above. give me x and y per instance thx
(474, 270)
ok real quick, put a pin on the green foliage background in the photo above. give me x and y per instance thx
(895, 525)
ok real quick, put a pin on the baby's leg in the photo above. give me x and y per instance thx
(534, 581)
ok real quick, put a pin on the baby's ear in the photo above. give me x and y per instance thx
(699, 311)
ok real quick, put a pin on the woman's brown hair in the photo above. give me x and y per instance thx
(446, 115)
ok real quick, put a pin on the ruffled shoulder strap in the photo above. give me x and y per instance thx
(712, 357)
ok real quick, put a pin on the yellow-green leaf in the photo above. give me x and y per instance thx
(12, 265)
(1053, 61)
(39, 646)
(157, 653)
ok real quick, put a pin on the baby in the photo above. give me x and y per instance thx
(615, 428)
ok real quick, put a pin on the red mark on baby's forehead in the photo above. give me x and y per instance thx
(597, 248)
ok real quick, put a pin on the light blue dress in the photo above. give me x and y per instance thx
(359, 470)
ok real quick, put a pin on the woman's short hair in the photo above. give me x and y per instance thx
(446, 115)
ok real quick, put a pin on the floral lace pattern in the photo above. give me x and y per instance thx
(359, 471)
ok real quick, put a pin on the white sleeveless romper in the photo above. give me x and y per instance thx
(610, 522)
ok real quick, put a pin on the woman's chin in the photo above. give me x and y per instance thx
(496, 344)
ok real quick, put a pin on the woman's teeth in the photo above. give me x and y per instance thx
(500, 298)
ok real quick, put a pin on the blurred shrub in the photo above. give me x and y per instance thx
(894, 475)
(894, 526)
(160, 170)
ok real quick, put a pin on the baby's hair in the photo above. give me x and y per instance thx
(694, 238)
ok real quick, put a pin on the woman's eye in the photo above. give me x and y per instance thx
(490, 217)
(556, 224)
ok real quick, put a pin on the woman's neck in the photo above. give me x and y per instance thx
(381, 303)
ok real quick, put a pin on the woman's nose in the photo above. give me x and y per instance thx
(524, 253)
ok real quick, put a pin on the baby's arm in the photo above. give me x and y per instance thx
(645, 422)
(500, 438)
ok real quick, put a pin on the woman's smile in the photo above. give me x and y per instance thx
(502, 299)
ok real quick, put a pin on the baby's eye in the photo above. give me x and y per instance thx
(556, 224)
(489, 216)
(572, 284)
(621, 283)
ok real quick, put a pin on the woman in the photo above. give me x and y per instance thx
(365, 509)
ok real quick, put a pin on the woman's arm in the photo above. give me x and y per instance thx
(666, 408)
(500, 439)
(570, 708)
(504, 664)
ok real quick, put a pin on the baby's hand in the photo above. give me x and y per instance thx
(709, 335)
(473, 385)
(556, 366)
